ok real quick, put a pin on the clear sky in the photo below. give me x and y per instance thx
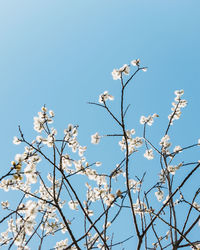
(61, 53)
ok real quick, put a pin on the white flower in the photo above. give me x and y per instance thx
(129, 133)
(132, 183)
(164, 139)
(95, 139)
(149, 120)
(164, 142)
(89, 212)
(100, 246)
(49, 141)
(162, 176)
(98, 163)
(109, 198)
(159, 195)
(125, 69)
(183, 103)
(51, 113)
(177, 149)
(5, 204)
(105, 96)
(122, 144)
(166, 199)
(136, 62)
(16, 140)
(176, 106)
(179, 92)
(107, 225)
(61, 245)
(117, 73)
(19, 157)
(31, 178)
(149, 154)
(144, 69)
(39, 138)
(171, 169)
(132, 131)
(135, 185)
(155, 115)
(81, 150)
(142, 119)
(73, 205)
(38, 124)
(31, 209)
(137, 142)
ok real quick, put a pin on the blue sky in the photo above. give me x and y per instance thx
(62, 53)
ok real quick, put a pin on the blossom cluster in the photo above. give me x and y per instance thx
(133, 143)
(165, 143)
(177, 105)
(148, 120)
(117, 73)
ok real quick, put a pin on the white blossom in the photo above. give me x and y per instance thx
(109, 198)
(51, 113)
(177, 149)
(135, 185)
(81, 150)
(171, 169)
(5, 204)
(73, 205)
(137, 142)
(144, 69)
(38, 124)
(149, 120)
(98, 163)
(16, 140)
(136, 62)
(166, 199)
(176, 106)
(117, 73)
(179, 92)
(61, 245)
(149, 154)
(31, 209)
(19, 157)
(95, 139)
(159, 194)
(107, 225)
(39, 138)
(125, 69)
(89, 212)
(165, 143)
(105, 96)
